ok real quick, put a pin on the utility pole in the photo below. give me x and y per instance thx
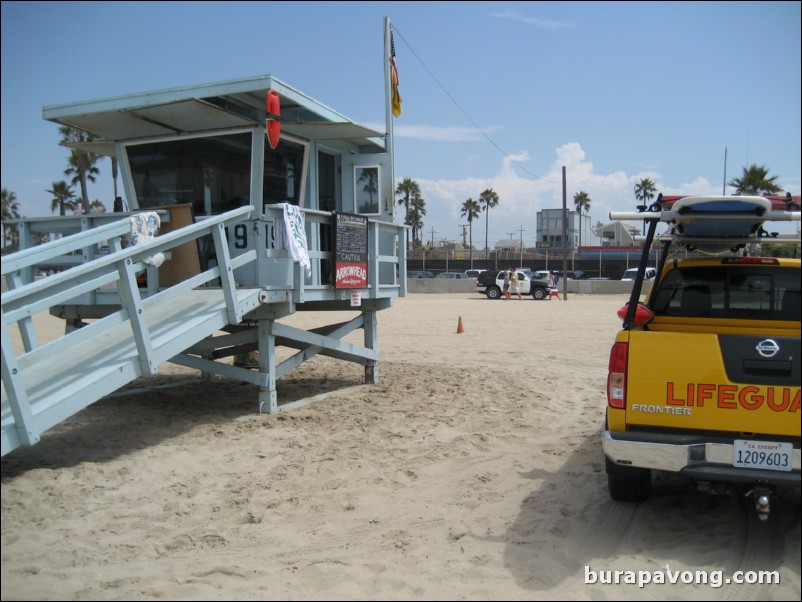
(521, 230)
(433, 232)
(464, 240)
(565, 240)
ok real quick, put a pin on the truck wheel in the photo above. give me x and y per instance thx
(493, 292)
(627, 484)
(539, 294)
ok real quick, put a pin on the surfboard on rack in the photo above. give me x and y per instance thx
(700, 221)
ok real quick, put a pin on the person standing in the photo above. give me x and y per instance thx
(514, 284)
(555, 291)
(506, 285)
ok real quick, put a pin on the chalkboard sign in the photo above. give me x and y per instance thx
(351, 251)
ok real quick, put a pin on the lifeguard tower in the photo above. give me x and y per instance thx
(268, 203)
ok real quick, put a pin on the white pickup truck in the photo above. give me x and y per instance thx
(491, 284)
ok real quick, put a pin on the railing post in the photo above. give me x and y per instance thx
(402, 265)
(132, 303)
(24, 423)
(25, 242)
(226, 273)
(298, 282)
(373, 259)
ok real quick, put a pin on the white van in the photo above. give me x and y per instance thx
(648, 276)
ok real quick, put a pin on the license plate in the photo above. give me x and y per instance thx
(768, 455)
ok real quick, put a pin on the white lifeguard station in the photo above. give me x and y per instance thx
(269, 203)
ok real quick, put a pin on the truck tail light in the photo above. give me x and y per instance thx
(643, 315)
(751, 260)
(617, 376)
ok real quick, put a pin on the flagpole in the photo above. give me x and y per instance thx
(388, 109)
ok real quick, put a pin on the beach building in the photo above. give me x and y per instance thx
(245, 201)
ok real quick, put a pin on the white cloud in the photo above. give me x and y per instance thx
(432, 133)
(521, 197)
(540, 23)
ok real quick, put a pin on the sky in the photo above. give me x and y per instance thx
(500, 95)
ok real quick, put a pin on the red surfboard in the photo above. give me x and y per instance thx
(273, 118)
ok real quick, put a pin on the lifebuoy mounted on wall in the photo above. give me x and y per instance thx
(273, 118)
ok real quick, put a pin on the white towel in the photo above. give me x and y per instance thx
(291, 235)
(144, 227)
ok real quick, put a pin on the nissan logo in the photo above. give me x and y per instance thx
(768, 348)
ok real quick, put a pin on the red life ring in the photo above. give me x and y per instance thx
(273, 118)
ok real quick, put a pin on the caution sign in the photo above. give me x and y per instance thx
(350, 250)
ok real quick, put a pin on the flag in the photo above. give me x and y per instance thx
(394, 78)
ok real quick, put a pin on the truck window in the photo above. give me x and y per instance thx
(737, 292)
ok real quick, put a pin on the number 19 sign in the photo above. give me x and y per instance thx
(351, 251)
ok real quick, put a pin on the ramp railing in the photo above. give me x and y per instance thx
(120, 267)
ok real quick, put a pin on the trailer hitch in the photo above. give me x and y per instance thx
(762, 495)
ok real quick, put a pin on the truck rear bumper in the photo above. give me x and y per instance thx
(693, 457)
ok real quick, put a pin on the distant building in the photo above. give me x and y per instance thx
(508, 245)
(616, 234)
(550, 230)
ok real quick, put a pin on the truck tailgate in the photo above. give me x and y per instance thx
(707, 381)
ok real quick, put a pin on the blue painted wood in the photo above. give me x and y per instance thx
(51, 382)
(48, 383)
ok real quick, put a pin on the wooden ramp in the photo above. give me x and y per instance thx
(63, 378)
(45, 384)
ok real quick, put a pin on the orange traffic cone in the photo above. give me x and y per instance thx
(460, 330)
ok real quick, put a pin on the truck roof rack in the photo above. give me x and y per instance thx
(709, 224)
(717, 223)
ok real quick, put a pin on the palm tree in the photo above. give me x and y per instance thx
(409, 189)
(82, 171)
(581, 201)
(63, 197)
(97, 206)
(370, 177)
(10, 211)
(81, 163)
(414, 220)
(755, 180)
(417, 212)
(471, 209)
(488, 199)
(644, 192)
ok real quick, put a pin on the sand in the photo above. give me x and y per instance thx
(473, 470)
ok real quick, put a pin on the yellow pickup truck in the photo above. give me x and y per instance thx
(704, 377)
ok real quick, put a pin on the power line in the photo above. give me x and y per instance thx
(456, 104)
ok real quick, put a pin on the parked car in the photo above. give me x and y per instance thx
(453, 276)
(491, 284)
(648, 275)
(419, 274)
(578, 275)
(571, 275)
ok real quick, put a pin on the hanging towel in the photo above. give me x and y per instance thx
(144, 227)
(291, 235)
